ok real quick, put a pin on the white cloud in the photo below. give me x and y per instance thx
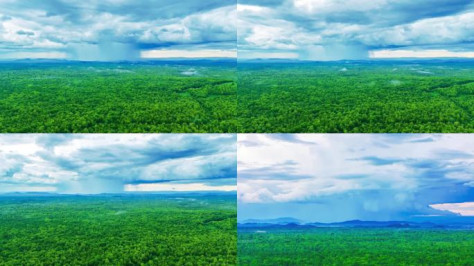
(167, 53)
(439, 30)
(34, 55)
(276, 170)
(260, 191)
(105, 162)
(273, 37)
(189, 168)
(5, 188)
(217, 24)
(252, 9)
(419, 54)
(326, 6)
(176, 187)
(267, 55)
(464, 208)
(336, 29)
(87, 30)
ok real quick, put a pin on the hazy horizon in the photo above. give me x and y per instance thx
(417, 220)
(236, 60)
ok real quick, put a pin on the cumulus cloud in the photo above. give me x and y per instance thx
(419, 54)
(378, 176)
(463, 208)
(336, 29)
(113, 30)
(110, 163)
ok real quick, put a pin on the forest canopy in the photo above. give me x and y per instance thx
(168, 229)
(94, 97)
(356, 96)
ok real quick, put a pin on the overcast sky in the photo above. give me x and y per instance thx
(117, 29)
(355, 29)
(339, 177)
(111, 163)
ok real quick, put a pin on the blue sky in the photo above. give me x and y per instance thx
(355, 29)
(114, 163)
(339, 177)
(117, 29)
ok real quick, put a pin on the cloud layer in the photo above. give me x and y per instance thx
(113, 29)
(342, 177)
(340, 29)
(297, 29)
(114, 162)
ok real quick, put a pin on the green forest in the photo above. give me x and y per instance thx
(355, 246)
(94, 97)
(174, 229)
(353, 96)
(220, 97)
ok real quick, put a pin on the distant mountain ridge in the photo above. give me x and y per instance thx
(290, 223)
(368, 60)
(282, 220)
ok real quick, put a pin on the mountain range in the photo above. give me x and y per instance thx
(288, 222)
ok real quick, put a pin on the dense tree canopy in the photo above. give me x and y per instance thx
(84, 97)
(369, 97)
(355, 246)
(118, 230)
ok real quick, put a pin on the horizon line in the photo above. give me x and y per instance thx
(121, 60)
(116, 193)
(229, 59)
(301, 222)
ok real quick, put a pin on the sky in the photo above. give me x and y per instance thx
(116, 163)
(355, 29)
(341, 177)
(111, 30)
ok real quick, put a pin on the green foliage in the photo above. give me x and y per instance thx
(118, 230)
(272, 97)
(355, 246)
(340, 97)
(118, 97)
